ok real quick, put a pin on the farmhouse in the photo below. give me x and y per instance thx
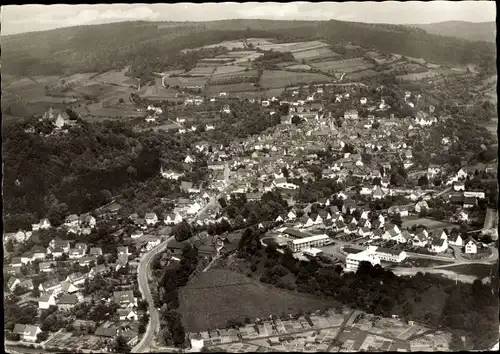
(470, 246)
(27, 333)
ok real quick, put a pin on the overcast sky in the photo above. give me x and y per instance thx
(26, 18)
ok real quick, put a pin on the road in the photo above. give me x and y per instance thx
(341, 329)
(142, 278)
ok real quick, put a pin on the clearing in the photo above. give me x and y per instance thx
(218, 295)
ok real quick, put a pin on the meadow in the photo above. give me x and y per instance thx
(230, 88)
(344, 65)
(312, 54)
(214, 297)
(278, 78)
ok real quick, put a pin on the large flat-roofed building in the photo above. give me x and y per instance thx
(308, 242)
(296, 234)
(390, 255)
(367, 255)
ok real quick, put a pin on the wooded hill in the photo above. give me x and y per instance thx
(482, 31)
(100, 48)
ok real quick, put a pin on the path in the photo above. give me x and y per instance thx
(342, 326)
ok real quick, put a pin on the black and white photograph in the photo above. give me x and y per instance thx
(250, 177)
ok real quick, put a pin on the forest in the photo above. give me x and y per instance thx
(152, 47)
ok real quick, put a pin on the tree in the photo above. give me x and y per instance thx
(40, 337)
(120, 345)
(423, 181)
(296, 120)
(121, 100)
(9, 246)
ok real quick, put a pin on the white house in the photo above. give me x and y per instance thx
(209, 127)
(470, 246)
(151, 218)
(456, 241)
(189, 159)
(45, 301)
(27, 333)
(439, 245)
(363, 100)
(127, 315)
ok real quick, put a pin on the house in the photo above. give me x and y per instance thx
(351, 114)
(470, 246)
(377, 193)
(67, 302)
(72, 220)
(125, 298)
(363, 100)
(151, 219)
(95, 251)
(63, 244)
(171, 219)
(456, 240)
(98, 269)
(439, 245)
(209, 127)
(122, 250)
(87, 220)
(420, 206)
(76, 253)
(151, 241)
(76, 278)
(189, 159)
(127, 315)
(38, 252)
(47, 267)
(46, 300)
(52, 285)
(150, 119)
(69, 287)
(458, 186)
(469, 202)
(420, 239)
(27, 333)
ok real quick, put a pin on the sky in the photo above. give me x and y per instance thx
(27, 18)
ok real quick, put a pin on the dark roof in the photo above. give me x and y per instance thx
(388, 251)
(295, 233)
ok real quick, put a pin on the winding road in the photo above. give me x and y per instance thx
(143, 272)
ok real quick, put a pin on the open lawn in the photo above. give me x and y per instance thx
(475, 269)
(422, 262)
(298, 67)
(428, 223)
(158, 92)
(116, 78)
(219, 295)
(361, 74)
(278, 78)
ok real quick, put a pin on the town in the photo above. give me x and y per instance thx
(264, 187)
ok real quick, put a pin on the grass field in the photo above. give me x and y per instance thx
(361, 74)
(294, 47)
(298, 67)
(116, 78)
(228, 69)
(158, 92)
(278, 78)
(428, 223)
(260, 41)
(344, 65)
(314, 53)
(422, 262)
(218, 295)
(201, 71)
(475, 269)
(230, 88)
(185, 81)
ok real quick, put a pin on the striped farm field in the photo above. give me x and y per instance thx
(201, 71)
(361, 74)
(279, 78)
(228, 69)
(314, 53)
(294, 47)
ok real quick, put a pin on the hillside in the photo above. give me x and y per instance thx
(483, 31)
(153, 44)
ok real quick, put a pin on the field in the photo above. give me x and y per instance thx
(293, 47)
(361, 74)
(230, 88)
(201, 71)
(428, 223)
(314, 53)
(344, 65)
(185, 81)
(417, 76)
(298, 67)
(218, 295)
(256, 42)
(228, 44)
(228, 69)
(422, 262)
(476, 269)
(278, 78)
(116, 78)
(158, 92)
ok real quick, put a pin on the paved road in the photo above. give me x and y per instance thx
(142, 278)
